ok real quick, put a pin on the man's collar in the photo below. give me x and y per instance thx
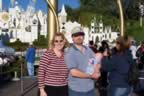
(74, 46)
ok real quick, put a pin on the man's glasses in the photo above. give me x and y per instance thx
(58, 41)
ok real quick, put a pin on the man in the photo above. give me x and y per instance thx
(30, 58)
(77, 57)
(140, 56)
(133, 50)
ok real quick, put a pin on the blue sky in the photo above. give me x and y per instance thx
(41, 4)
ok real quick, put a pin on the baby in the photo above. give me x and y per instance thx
(94, 65)
(99, 57)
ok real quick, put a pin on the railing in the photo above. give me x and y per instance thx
(28, 88)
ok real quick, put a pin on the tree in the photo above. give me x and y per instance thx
(108, 9)
(18, 45)
(41, 42)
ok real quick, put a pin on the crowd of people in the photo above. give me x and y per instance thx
(75, 69)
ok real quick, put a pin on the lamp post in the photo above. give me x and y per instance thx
(141, 7)
(121, 18)
(52, 21)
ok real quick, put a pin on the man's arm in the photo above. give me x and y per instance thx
(80, 74)
(27, 54)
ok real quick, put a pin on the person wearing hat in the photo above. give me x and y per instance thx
(77, 57)
(30, 58)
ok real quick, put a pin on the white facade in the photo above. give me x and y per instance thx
(99, 33)
(26, 25)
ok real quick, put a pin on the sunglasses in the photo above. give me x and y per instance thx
(58, 41)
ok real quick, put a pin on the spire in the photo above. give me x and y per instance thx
(12, 3)
(1, 5)
(101, 21)
(34, 1)
(63, 12)
(30, 8)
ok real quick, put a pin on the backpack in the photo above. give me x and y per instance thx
(133, 74)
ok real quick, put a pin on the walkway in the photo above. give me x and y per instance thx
(13, 88)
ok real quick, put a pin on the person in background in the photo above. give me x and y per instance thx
(53, 72)
(93, 46)
(117, 66)
(104, 47)
(139, 89)
(140, 55)
(77, 58)
(102, 81)
(30, 59)
(133, 49)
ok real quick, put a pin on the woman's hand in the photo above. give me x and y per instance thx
(42, 92)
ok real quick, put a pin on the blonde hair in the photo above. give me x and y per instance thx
(58, 34)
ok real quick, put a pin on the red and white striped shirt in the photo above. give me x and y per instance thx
(52, 70)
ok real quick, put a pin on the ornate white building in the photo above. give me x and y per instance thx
(98, 32)
(25, 25)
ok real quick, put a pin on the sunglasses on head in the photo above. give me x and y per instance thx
(60, 41)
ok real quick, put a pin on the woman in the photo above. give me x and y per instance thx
(52, 74)
(118, 66)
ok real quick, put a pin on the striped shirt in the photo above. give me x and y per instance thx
(52, 70)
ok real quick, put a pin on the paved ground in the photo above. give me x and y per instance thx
(11, 88)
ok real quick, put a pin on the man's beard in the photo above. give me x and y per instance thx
(79, 43)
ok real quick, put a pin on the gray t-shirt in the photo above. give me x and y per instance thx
(75, 59)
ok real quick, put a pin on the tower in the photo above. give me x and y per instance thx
(0, 5)
(12, 3)
(30, 9)
(34, 1)
(63, 15)
(62, 18)
(93, 26)
(34, 28)
(101, 26)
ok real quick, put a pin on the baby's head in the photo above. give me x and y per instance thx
(99, 56)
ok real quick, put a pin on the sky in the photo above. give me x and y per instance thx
(41, 4)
